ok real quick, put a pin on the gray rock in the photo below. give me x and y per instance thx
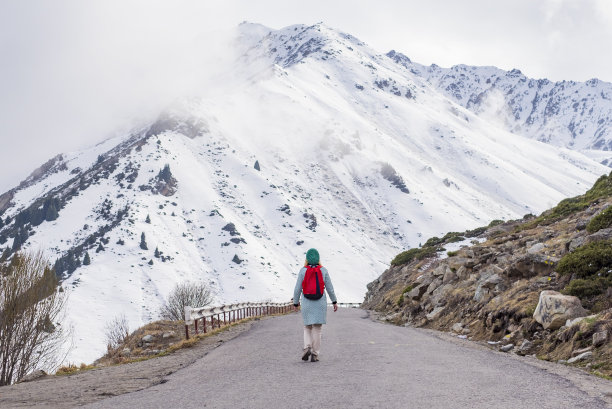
(507, 348)
(463, 273)
(486, 285)
(168, 334)
(435, 313)
(449, 276)
(466, 331)
(440, 270)
(575, 243)
(126, 352)
(581, 351)
(582, 357)
(457, 262)
(148, 338)
(536, 248)
(531, 265)
(554, 309)
(417, 292)
(435, 284)
(32, 376)
(600, 338)
(457, 327)
(525, 346)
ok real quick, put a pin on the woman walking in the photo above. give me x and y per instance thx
(312, 282)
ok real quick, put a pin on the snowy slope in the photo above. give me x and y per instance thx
(357, 157)
(572, 114)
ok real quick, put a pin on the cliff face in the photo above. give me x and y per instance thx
(490, 288)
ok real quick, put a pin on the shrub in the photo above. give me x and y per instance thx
(433, 241)
(602, 221)
(588, 260)
(408, 288)
(116, 332)
(452, 253)
(30, 309)
(495, 222)
(582, 288)
(183, 295)
(413, 254)
(475, 232)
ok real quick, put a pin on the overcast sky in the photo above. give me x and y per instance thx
(72, 72)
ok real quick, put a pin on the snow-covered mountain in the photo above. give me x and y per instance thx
(576, 115)
(312, 139)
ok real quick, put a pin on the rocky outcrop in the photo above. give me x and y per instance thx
(554, 309)
(527, 286)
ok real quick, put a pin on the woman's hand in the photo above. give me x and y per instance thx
(335, 307)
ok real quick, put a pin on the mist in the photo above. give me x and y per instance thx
(76, 72)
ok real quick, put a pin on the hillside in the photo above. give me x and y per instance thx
(487, 284)
(311, 139)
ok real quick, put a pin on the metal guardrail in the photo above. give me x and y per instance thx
(231, 313)
(348, 304)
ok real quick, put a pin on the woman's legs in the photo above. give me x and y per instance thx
(307, 337)
(316, 338)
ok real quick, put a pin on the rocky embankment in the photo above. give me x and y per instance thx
(537, 286)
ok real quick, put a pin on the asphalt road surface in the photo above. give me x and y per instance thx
(364, 364)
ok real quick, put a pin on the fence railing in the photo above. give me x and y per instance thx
(225, 314)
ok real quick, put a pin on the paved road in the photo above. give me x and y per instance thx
(364, 364)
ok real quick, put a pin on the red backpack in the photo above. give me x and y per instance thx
(313, 284)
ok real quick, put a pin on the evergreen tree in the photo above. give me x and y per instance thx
(1, 223)
(257, 165)
(120, 242)
(100, 248)
(16, 242)
(148, 219)
(86, 259)
(151, 262)
(51, 213)
(165, 174)
(143, 242)
(157, 253)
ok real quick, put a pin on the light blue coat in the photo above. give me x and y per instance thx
(314, 311)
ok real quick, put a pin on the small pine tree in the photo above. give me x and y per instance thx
(148, 219)
(100, 158)
(120, 242)
(165, 174)
(257, 165)
(1, 223)
(86, 259)
(143, 242)
(157, 253)
(151, 262)
(100, 248)
(51, 213)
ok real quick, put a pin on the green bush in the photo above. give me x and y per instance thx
(408, 288)
(588, 260)
(452, 253)
(413, 254)
(495, 222)
(475, 232)
(434, 241)
(602, 221)
(400, 300)
(582, 288)
(601, 188)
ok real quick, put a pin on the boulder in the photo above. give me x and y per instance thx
(531, 265)
(457, 327)
(417, 292)
(32, 376)
(457, 262)
(575, 243)
(440, 270)
(554, 309)
(126, 352)
(582, 357)
(536, 248)
(169, 334)
(463, 273)
(507, 348)
(600, 338)
(435, 284)
(435, 313)
(147, 338)
(449, 276)
(525, 346)
(486, 285)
